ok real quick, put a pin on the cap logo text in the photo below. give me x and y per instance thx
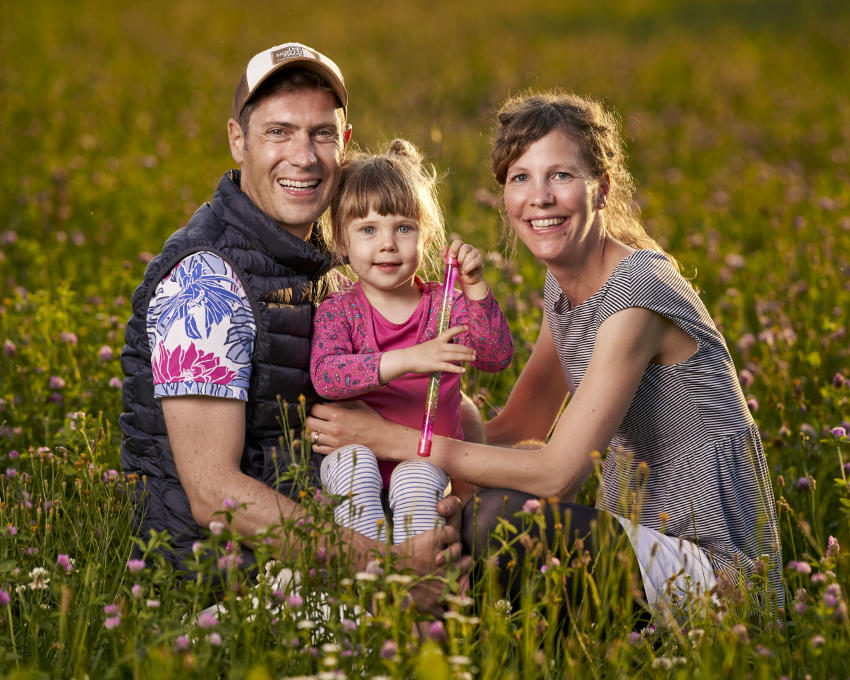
(288, 53)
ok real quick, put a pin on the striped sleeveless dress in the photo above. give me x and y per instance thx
(707, 476)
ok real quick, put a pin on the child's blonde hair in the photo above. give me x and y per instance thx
(393, 183)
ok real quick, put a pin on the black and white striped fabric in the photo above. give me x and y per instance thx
(689, 422)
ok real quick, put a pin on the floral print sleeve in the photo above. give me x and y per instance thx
(201, 331)
(487, 333)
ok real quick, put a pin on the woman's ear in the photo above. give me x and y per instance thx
(602, 189)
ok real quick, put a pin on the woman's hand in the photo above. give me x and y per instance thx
(470, 269)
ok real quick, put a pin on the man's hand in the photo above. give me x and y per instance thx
(433, 555)
(439, 354)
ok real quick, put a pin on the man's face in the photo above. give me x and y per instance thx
(290, 156)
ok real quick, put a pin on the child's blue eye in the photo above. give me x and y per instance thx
(368, 229)
(404, 228)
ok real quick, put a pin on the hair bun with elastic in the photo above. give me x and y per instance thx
(401, 147)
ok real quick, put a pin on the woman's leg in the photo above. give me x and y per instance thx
(415, 488)
(483, 513)
(353, 471)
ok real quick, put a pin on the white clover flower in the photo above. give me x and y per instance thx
(459, 660)
(331, 648)
(346, 583)
(404, 579)
(39, 577)
(459, 600)
(503, 607)
(306, 624)
(662, 662)
(365, 576)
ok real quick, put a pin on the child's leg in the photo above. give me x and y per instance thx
(353, 471)
(415, 488)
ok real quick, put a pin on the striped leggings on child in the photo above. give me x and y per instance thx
(415, 488)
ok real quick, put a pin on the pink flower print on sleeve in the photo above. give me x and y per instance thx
(190, 365)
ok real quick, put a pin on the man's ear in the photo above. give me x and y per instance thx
(346, 136)
(237, 140)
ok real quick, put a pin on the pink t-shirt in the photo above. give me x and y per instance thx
(349, 336)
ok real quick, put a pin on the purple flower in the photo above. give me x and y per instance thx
(229, 503)
(65, 562)
(818, 640)
(136, 590)
(135, 566)
(104, 353)
(805, 484)
(389, 649)
(181, 643)
(11, 473)
(839, 380)
(832, 547)
(295, 601)
(799, 567)
(14, 454)
(9, 348)
(56, 383)
(348, 626)
(116, 383)
(437, 631)
(832, 595)
(745, 377)
(112, 622)
(5, 598)
(753, 404)
(11, 529)
(207, 621)
(111, 609)
(838, 432)
(214, 639)
(633, 638)
(69, 337)
(532, 506)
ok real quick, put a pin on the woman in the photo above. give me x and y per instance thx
(629, 340)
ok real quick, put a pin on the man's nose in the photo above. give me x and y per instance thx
(302, 153)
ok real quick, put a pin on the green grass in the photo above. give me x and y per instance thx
(113, 119)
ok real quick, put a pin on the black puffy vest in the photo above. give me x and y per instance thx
(281, 275)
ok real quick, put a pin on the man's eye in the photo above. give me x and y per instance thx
(326, 135)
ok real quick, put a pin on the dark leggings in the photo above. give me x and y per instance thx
(482, 515)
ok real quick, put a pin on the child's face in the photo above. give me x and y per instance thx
(385, 251)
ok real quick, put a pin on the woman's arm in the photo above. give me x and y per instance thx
(625, 344)
(536, 398)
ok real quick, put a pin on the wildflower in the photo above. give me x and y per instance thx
(399, 578)
(838, 432)
(805, 484)
(69, 338)
(136, 590)
(39, 577)
(531, 506)
(5, 598)
(14, 454)
(104, 353)
(116, 383)
(633, 638)
(662, 662)
(67, 563)
(229, 503)
(152, 604)
(112, 622)
(503, 607)
(11, 473)
(745, 377)
(216, 527)
(9, 348)
(459, 660)
(56, 383)
(295, 601)
(135, 566)
(389, 649)
(207, 621)
(753, 404)
(696, 635)
(181, 643)
(832, 547)
(839, 380)
(229, 561)
(437, 631)
(832, 595)
(817, 641)
(306, 624)
(800, 567)
(11, 529)
(197, 548)
(739, 630)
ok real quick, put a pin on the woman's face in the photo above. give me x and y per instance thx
(549, 197)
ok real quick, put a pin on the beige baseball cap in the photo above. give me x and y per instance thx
(290, 54)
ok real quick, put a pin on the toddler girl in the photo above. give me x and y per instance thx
(376, 340)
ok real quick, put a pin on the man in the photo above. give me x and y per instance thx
(220, 332)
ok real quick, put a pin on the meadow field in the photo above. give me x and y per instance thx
(112, 131)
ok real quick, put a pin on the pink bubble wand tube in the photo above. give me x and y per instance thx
(434, 381)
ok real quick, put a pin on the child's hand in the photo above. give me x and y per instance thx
(439, 354)
(470, 269)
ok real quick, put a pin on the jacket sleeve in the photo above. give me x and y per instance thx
(488, 332)
(336, 369)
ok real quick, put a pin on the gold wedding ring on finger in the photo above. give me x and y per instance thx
(314, 438)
